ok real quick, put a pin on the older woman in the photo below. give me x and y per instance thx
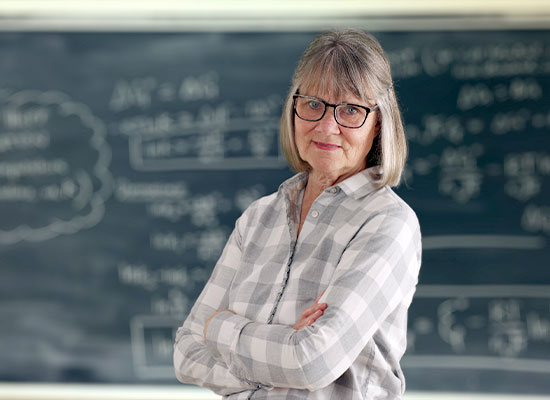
(309, 299)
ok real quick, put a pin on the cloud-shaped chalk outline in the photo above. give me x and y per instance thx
(101, 171)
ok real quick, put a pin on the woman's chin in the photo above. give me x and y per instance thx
(325, 168)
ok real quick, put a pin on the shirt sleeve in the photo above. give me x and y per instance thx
(194, 363)
(377, 272)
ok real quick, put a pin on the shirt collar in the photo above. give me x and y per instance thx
(294, 185)
(356, 186)
(362, 183)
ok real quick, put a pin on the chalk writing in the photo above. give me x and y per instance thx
(37, 170)
(142, 92)
(514, 320)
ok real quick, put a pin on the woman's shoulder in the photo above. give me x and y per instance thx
(386, 202)
(259, 215)
(268, 206)
(385, 198)
(393, 200)
(366, 190)
(277, 198)
(266, 201)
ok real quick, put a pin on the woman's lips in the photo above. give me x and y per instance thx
(325, 146)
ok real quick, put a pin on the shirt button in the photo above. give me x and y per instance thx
(333, 190)
(315, 213)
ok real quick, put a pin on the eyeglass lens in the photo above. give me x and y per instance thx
(348, 115)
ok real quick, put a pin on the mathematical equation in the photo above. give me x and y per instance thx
(496, 324)
(479, 61)
(203, 134)
(489, 149)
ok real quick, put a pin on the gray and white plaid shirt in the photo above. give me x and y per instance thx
(360, 244)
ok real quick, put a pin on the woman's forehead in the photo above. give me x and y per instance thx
(334, 89)
(333, 93)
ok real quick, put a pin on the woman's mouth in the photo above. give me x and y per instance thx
(326, 146)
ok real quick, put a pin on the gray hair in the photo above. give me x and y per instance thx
(350, 61)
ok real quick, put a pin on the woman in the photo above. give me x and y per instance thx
(309, 299)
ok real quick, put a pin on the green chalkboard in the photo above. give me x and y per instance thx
(125, 159)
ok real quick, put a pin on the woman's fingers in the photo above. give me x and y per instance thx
(308, 310)
(311, 319)
(314, 317)
(319, 298)
(311, 309)
(310, 315)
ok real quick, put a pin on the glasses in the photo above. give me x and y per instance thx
(313, 109)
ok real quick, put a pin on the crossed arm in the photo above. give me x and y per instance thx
(308, 316)
(193, 362)
(377, 272)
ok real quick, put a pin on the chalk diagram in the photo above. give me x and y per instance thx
(54, 177)
(231, 145)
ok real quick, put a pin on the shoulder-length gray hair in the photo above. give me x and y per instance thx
(350, 61)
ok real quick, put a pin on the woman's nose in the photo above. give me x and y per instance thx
(328, 122)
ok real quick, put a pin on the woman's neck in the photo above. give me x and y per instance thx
(316, 184)
(318, 181)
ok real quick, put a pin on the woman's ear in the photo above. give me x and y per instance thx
(378, 128)
(378, 124)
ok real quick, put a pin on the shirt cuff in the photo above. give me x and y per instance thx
(221, 340)
(222, 332)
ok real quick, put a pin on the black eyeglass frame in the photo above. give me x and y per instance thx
(327, 104)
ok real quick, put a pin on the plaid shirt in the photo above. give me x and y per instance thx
(360, 244)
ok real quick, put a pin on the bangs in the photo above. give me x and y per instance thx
(335, 74)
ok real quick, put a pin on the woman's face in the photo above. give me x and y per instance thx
(331, 149)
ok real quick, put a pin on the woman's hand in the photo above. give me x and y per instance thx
(310, 314)
(210, 318)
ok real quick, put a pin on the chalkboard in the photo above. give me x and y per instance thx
(125, 159)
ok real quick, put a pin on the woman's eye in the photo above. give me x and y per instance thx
(350, 110)
(314, 105)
